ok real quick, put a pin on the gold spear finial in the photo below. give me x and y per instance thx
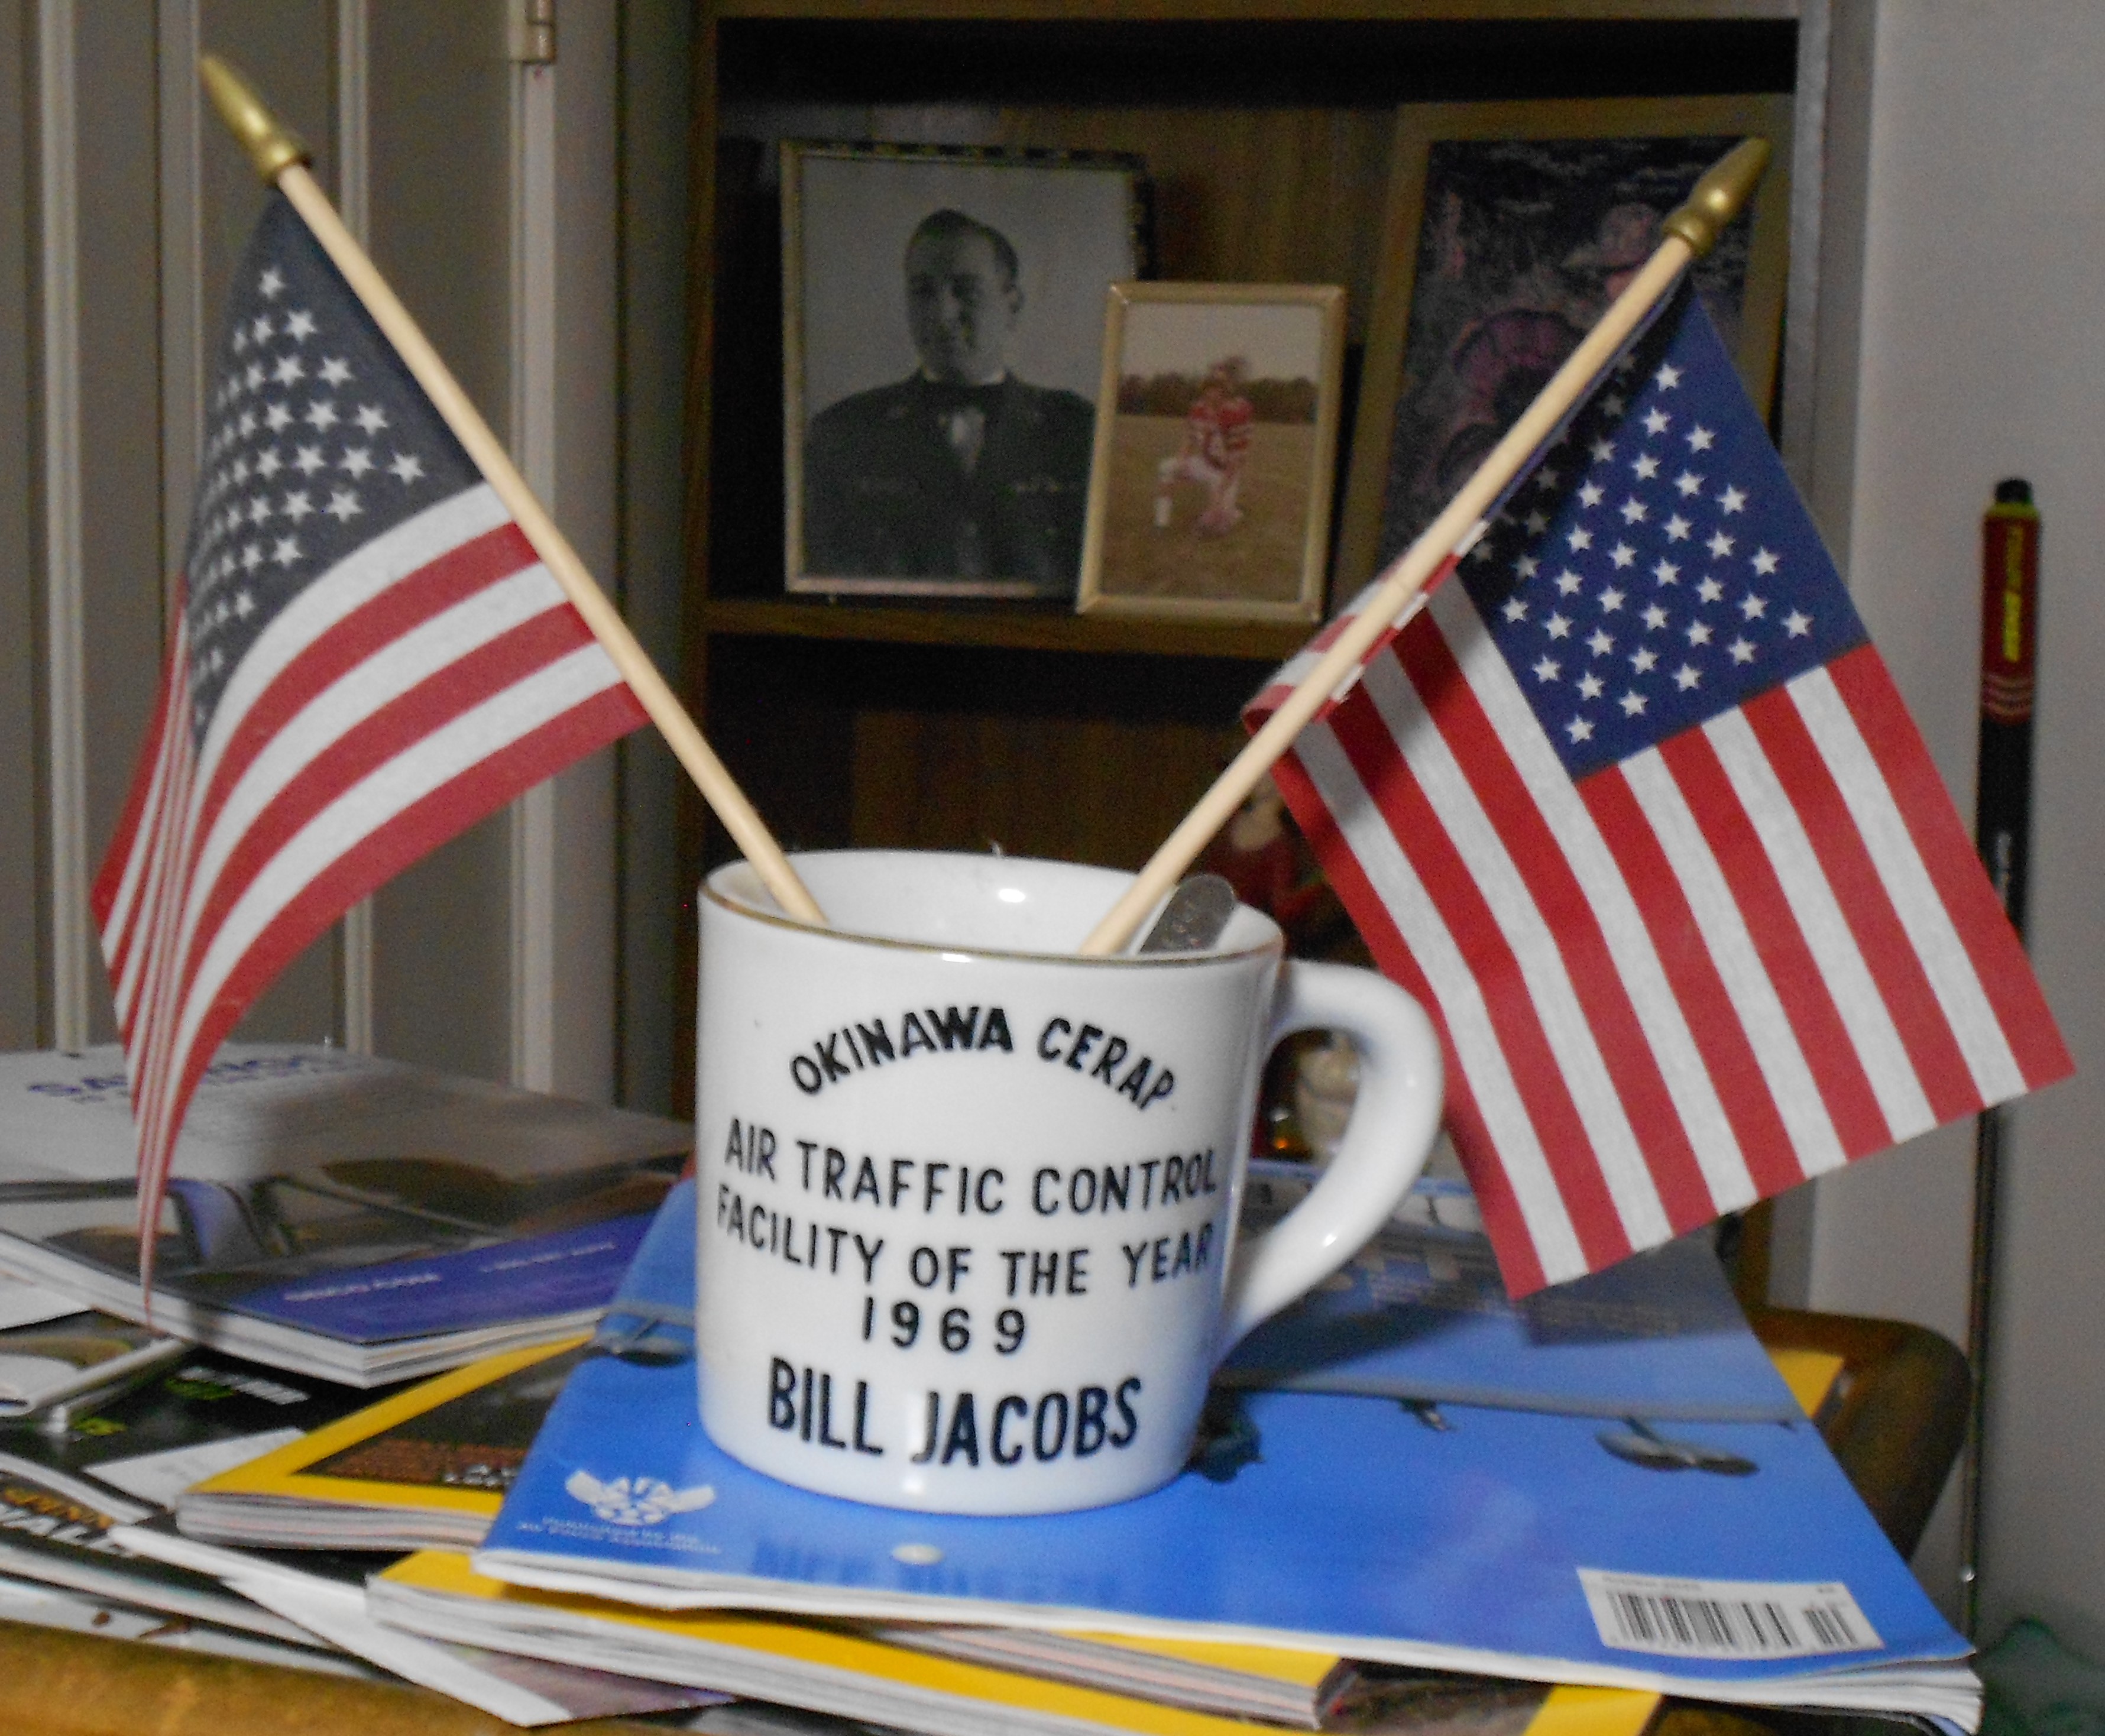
(1726, 185)
(271, 146)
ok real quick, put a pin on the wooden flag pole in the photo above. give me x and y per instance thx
(1690, 232)
(281, 158)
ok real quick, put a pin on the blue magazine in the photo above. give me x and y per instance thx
(1420, 1314)
(1730, 1560)
(561, 1273)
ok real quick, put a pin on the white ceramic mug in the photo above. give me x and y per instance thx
(968, 1200)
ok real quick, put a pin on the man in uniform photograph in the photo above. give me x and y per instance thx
(962, 471)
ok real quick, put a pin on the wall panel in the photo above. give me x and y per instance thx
(22, 842)
(440, 125)
(1983, 242)
(120, 459)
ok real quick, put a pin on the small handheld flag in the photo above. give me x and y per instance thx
(366, 658)
(1634, 807)
(280, 159)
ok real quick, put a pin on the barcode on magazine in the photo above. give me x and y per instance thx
(1735, 1619)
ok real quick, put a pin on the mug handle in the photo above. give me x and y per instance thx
(1395, 1118)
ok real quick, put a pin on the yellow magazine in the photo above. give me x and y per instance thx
(428, 1467)
(1248, 1681)
(847, 1671)
(1810, 1375)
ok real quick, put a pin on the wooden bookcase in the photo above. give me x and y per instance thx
(1266, 127)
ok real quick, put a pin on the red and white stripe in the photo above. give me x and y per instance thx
(422, 682)
(1291, 673)
(1741, 958)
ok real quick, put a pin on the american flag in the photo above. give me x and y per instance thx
(366, 658)
(1635, 809)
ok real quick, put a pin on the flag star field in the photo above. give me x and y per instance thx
(1644, 578)
(317, 440)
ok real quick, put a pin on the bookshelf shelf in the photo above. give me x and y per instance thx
(1006, 629)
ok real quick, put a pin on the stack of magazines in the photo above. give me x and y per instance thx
(75, 1480)
(1416, 1505)
(330, 1213)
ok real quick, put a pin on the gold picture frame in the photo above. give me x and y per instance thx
(914, 472)
(1216, 452)
(1508, 227)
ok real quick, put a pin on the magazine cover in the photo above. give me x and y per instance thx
(57, 1531)
(23, 1304)
(1420, 1314)
(1727, 1558)
(201, 1413)
(74, 1357)
(426, 1468)
(67, 1481)
(329, 1210)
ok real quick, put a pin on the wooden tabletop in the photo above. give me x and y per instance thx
(58, 1684)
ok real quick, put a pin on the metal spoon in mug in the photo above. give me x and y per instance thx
(1193, 916)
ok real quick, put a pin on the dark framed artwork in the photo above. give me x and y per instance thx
(942, 328)
(1510, 227)
(1216, 451)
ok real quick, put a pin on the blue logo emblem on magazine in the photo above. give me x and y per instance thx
(636, 1501)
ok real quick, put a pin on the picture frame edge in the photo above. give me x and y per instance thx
(1315, 565)
(796, 581)
(1307, 607)
(1088, 583)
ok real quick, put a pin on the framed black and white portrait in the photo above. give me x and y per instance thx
(943, 316)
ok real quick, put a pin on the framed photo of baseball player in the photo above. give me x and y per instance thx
(942, 322)
(1510, 227)
(1209, 496)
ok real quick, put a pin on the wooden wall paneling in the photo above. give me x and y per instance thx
(941, 747)
(1246, 194)
(1093, 789)
(781, 714)
(1092, 758)
(56, 560)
